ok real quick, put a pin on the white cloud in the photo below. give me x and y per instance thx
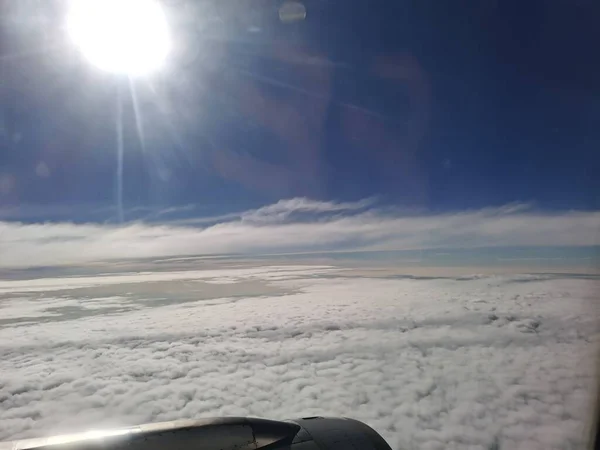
(283, 209)
(441, 363)
(277, 228)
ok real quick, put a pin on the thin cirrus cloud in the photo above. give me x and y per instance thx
(298, 224)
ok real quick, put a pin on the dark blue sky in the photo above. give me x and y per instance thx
(429, 104)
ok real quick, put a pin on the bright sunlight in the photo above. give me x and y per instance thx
(122, 36)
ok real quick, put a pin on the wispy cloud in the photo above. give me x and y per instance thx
(295, 225)
(92, 212)
(283, 210)
(294, 209)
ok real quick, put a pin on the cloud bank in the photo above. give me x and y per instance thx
(294, 225)
(480, 362)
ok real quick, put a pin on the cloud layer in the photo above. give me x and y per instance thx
(437, 363)
(294, 225)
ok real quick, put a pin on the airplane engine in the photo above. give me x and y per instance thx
(230, 433)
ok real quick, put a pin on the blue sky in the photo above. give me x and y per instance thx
(408, 125)
(421, 104)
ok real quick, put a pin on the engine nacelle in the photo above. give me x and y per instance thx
(230, 433)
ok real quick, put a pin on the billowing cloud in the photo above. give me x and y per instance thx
(295, 225)
(477, 362)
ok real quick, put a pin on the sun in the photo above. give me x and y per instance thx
(121, 36)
